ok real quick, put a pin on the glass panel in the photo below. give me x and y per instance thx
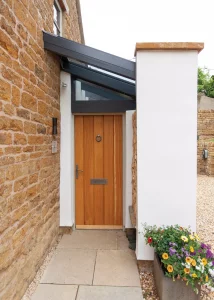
(85, 91)
(56, 25)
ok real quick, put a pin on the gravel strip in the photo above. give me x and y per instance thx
(32, 287)
(205, 230)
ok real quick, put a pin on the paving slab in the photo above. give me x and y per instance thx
(122, 241)
(109, 293)
(116, 268)
(89, 239)
(55, 292)
(70, 266)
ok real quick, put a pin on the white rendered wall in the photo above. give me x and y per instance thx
(127, 166)
(67, 187)
(166, 140)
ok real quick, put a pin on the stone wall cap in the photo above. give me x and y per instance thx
(185, 46)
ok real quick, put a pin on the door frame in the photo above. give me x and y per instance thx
(67, 156)
(103, 227)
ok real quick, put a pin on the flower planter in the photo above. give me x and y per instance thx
(171, 290)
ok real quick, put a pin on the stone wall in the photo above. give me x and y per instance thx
(29, 172)
(134, 165)
(206, 141)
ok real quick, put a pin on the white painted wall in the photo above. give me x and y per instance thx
(166, 140)
(67, 188)
(127, 167)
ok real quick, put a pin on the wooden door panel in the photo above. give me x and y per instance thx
(118, 160)
(79, 208)
(109, 169)
(98, 171)
(99, 205)
(88, 169)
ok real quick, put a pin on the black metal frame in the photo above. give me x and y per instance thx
(88, 55)
(100, 78)
(99, 106)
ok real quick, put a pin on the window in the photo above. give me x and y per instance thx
(57, 28)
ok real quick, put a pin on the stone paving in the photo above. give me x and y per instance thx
(91, 265)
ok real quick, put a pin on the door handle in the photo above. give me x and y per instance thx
(77, 172)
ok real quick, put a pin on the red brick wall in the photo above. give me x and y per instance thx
(29, 172)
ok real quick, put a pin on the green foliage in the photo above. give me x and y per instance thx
(205, 83)
(181, 254)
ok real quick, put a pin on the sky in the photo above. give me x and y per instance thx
(115, 26)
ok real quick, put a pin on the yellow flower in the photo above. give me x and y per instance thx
(194, 275)
(207, 278)
(186, 270)
(191, 249)
(191, 237)
(188, 260)
(170, 268)
(197, 237)
(165, 256)
(184, 238)
(204, 261)
(193, 262)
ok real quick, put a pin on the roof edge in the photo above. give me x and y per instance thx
(183, 46)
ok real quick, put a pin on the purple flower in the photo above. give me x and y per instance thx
(183, 250)
(203, 246)
(209, 247)
(209, 254)
(199, 250)
(186, 253)
(172, 251)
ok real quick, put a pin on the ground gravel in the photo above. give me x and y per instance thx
(205, 230)
(32, 287)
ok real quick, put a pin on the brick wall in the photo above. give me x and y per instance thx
(134, 165)
(29, 172)
(206, 141)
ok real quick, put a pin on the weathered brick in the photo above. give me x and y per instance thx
(27, 61)
(7, 13)
(8, 45)
(32, 191)
(6, 160)
(32, 178)
(12, 150)
(4, 123)
(20, 184)
(9, 109)
(30, 127)
(16, 200)
(29, 102)
(35, 140)
(41, 129)
(13, 172)
(20, 70)
(16, 125)
(5, 138)
(9, 30)
(5, 89)
(22, 32)
(25, 18)
(15, 96)
(20, 139)
(23, 113)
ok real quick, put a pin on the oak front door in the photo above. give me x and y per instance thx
(98, 172)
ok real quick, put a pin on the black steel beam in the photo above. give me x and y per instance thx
(99, 78)
(89, 55)
(104, 106)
